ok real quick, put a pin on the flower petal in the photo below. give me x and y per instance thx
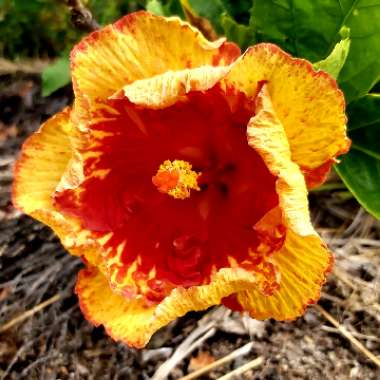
(267, 136)
(302, 263)
(141, 45)
(307, 102)
(133, 322)
(42, 162)
(304, 260)
(164, 90)
(125, 320)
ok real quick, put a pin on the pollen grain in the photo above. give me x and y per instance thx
(176, 178)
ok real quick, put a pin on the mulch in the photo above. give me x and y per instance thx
(57, 343)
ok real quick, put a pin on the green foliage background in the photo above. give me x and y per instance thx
(34, 28)
(42, 28)
(339, 36)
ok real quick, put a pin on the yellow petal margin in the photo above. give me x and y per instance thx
(303, 263)
(138, 46)
(164, 90)
(304, 260)
(307, 102)
(267, 136)
(132, 322)
(38, 171)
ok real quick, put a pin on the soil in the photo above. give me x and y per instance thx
(57, 343)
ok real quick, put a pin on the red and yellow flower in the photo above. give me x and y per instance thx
(180, 175)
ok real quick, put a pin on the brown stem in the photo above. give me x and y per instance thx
(81, 17)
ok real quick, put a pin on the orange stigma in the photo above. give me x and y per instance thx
(176, 179)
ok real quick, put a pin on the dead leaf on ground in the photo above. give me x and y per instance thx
(201, 360)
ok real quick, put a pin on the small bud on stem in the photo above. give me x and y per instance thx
(81, 17)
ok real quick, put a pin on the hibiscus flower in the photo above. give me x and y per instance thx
(180, 175)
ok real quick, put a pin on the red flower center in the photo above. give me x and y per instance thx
(176, 193)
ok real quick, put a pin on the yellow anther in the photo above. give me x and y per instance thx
(176, 179)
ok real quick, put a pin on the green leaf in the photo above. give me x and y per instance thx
(334, 63)
(173, 8)
(364, 124)
(56, 76)
(310, 29)
(155, 7)
(165, 7)
(367, 140)
(376, 87)
(243, 35)
(238, 9)
(364, 112)
(361, 174)
(360, 168)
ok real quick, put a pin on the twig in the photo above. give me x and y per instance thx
(343, 277)
(355, 224)
(81, 17)
(29, 343)
(341, 274)
(195, 339)
(334, 299)
(244, 350)
(29, 313)
(36, 363)
(244, 368)
(348, 335)
(354, 333)
(14, 360)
